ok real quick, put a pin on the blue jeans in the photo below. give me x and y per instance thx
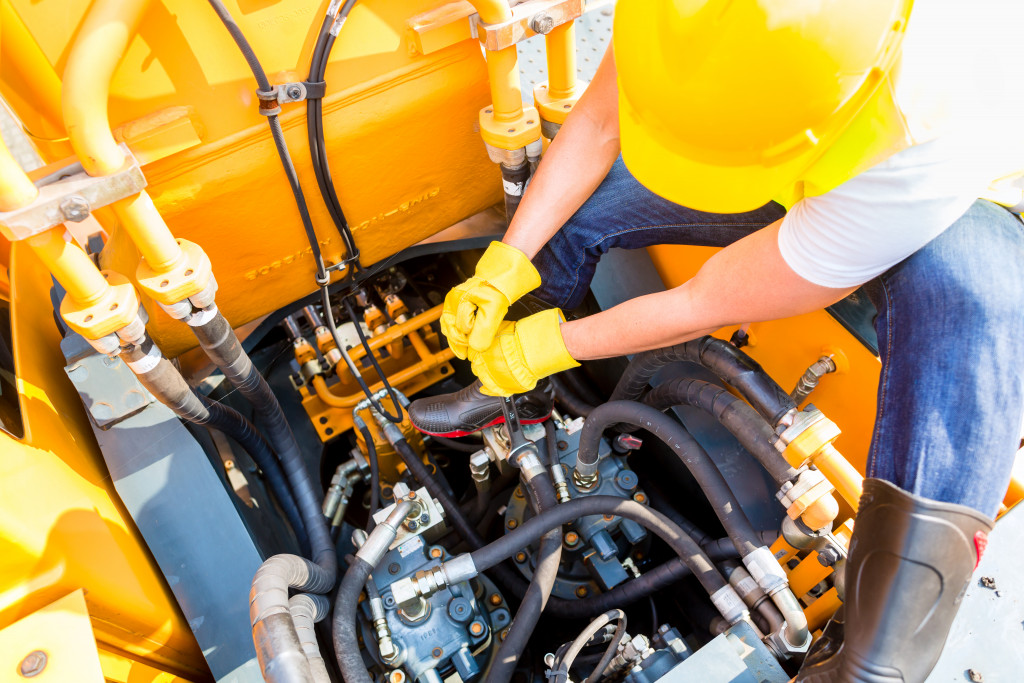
(950, 329)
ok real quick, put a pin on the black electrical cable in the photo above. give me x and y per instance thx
(322, 276)
(315, 132)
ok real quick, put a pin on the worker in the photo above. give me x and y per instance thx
(824, 146)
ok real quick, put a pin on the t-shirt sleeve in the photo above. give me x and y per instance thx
(865, 226)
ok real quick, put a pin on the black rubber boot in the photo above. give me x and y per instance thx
(469, 410)
(910, 562)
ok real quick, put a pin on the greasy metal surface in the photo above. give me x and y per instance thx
(583, 570)
(435, 641)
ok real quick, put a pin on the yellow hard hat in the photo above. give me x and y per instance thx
(726, 104)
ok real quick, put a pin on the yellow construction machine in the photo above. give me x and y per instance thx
(227, 230)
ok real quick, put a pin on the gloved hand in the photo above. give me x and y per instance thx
(474, 310)
(522, 353)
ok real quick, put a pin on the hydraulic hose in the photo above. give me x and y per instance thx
(307, 610)
(720, 357)
(274, 633)
(549, 556)
(749, 428)
(530, 532)
(234, 425)
(591, 630)
(568, 398)
(223, 348)
(371, 455)
(343, 627)
(675, 436)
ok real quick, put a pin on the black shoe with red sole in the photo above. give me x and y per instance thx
(469, 410)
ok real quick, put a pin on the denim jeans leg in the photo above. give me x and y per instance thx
(623, 213)
(951, 392)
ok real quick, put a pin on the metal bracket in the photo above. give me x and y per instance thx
(68, 194)
(286, 93)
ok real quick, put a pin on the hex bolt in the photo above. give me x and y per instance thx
(33, 664)
(495, 599)
(476, 629)
(571, 539)
(520, 557)
(75, 208)
(425, 518)
(828, 556)
(542, 22)
(581, 591)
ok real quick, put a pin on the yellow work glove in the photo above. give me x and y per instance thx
(474, 310)
(522, 353)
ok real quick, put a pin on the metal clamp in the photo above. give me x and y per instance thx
(68, 194)
(285, 93)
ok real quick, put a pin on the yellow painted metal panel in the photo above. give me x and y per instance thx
(61, 525)
(58, 642)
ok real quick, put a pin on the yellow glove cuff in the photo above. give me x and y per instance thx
(508, 270)
(540, 338)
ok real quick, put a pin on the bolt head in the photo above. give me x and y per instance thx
(75, 208)
(425, 518)
(542, 23)
(294, 92)
(33, 664)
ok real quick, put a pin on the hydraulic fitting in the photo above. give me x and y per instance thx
(730, 605)
(379, 540)
(387, 648)
(408, 591)
(807, 440)
(766, 570)
(808, 381)
(560, 483)
(809, 497)
(631, 652)
(480, 470)
(585, 481)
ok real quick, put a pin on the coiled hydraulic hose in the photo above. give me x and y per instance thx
(696, 459)
(722, 358)
(222, 346)
(234, 425)
(749, 428)
(165, 382)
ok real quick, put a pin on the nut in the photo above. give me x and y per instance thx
(75, 208)
(542, 22)
(33, 664)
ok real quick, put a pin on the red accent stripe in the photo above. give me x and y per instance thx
(499, 421)
(980, 543)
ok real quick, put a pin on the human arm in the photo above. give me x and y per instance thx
(748, 280)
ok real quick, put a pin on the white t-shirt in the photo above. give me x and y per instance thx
(959, 88)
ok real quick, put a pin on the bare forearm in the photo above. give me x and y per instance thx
(574, 165)
(747, 281)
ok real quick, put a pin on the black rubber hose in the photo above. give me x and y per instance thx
(234, 425)
(660, 503)
(549, 556)
(720, 357)
(696, 459)
(551, 444)
(531, 530)
(749, 428)
(371, 456)
(222, 346)
(343, 627)
(568, 399)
